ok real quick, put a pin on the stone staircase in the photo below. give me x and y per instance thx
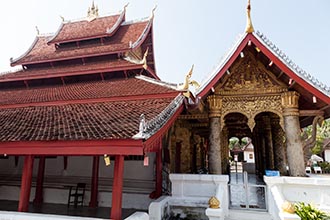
(248, 215)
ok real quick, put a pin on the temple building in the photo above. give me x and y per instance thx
(91, 91)
(88, 91)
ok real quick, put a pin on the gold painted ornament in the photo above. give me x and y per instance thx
(288, 207)
(214, 203)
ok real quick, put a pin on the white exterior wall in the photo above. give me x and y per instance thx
(138, 180)
(80, 166)
(247, 158)
(327, 155)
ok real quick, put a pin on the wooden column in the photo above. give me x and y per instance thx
(215, 130)
(95, 182)
(23, 205)
(279, 148)
(269, 143)
(177, 162)
(117, 188)
(295, 154)
(159, 170)
(38, 198)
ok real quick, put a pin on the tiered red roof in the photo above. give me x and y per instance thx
(120, 89)
(84, 111)
(41, 51)
(80, 30)
(70, 70)
(60, 109)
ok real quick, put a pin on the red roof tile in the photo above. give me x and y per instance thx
(82, 91)
(107, 120)
(120, 41)
(79, 30)
(99, 66)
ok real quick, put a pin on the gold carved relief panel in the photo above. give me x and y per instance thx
(250, 88)
(251, 107)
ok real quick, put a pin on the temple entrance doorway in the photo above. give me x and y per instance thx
(246, 190)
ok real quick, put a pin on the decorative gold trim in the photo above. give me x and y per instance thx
(290, 99)
(251, 107)
(215, 105)
(194, 116)
(250, 77)
(200, 125)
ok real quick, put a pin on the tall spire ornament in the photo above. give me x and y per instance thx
(249, 27)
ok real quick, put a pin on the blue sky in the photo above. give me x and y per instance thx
(186, 32)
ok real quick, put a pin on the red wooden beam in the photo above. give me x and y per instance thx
(38, 197)
(223, 70)
(159, 170)
(117, 188)
(23, 205)
(152, 72)
(96, 100)
(95, 182)
(81, 147)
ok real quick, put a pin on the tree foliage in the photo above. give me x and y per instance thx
(322, 134)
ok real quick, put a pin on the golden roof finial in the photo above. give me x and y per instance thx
(185, 84)
(249, 27)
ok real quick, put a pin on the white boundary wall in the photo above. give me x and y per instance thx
(314, 190)
(192, 190)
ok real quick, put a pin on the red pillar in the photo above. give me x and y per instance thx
(23, 205)
(117, 188)
(38, 198)
(95, 182)
(159, 170)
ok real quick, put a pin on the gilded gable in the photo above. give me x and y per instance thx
(249, 76)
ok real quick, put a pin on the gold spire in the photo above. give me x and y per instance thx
(249, 27)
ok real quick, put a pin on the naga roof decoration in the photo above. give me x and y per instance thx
(149, 128)
(173, 86)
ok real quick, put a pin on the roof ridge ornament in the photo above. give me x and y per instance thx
(153, 12)
(187, 82)
(93, 12)
(125, 7)
(249, 27)
(38, 32)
